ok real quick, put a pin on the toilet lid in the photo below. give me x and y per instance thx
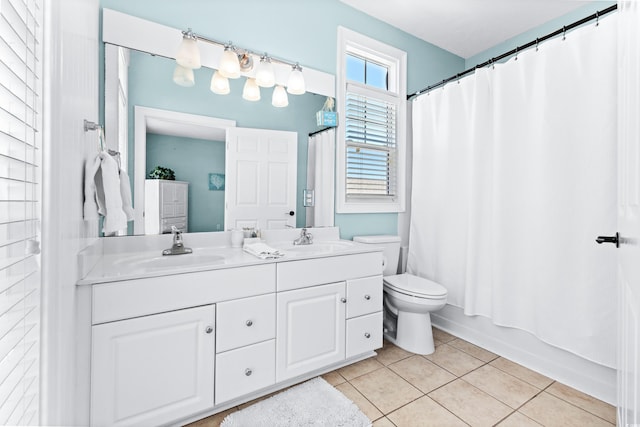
(414, 285)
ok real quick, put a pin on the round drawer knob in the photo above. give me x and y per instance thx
(249, 322)
(248, 372)
(209, 329)
(367, 297)
(344, 300)
(367, 335)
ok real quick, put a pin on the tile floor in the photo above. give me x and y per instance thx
(458, 385)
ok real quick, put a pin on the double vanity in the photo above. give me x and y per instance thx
(172, 339)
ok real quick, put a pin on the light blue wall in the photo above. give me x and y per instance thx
(298, 30)
(540, 31)
(150, 85)
(192, 160)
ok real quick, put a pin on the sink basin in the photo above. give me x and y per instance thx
(171, 261)
(317, 248)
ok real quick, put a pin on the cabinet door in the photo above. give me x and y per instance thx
(311, 329)
(153, 370)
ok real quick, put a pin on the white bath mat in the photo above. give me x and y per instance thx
(314, 403)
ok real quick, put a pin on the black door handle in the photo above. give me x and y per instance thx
(291, 213)
(609, 239)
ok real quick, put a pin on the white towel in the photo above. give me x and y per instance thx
(91, 208)
(263, 251)
(114, 217)
(125, 191)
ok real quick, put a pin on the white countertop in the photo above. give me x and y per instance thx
(126, 258)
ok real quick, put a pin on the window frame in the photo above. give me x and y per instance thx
(351, 42)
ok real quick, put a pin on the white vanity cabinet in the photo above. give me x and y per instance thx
(171, 348)
(165, 204)
(320, 322)
(153, 369)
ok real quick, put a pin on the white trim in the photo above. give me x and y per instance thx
(522, 347)
(173, 123)
(396, 59)
(136, 33)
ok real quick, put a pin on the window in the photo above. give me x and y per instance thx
(20, 160)
(372, 107)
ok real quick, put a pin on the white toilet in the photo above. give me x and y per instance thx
(408, 300)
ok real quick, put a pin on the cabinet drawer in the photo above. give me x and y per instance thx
(364, 296)
(245, 321)
(364, 334)
(245, 370)
(311, 272)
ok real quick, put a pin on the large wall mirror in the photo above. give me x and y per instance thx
(185, 127)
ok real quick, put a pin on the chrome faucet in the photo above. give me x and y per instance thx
(178, 247)
(305, 238)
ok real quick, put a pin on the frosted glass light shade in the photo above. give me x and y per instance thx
(265, 76)
(229, 64)
(279, 97)
(251, 91)
(219, 84)
(295, 84)
(188, 53)
(183, 76)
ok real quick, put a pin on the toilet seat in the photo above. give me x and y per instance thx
(415, 286)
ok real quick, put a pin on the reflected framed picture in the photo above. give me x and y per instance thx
(216, 182)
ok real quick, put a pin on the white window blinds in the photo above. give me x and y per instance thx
(370, 139)
(20, 159)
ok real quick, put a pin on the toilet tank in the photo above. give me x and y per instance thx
(390, 254)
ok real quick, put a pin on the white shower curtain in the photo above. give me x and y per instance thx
(514, 176)
(320, 177)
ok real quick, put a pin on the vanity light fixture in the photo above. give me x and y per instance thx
(219, 84)
(229, 64)
(188, 53)
(265, 76)
(183, 76)
(251, 91)
(279, 97)
(295, 84)
(233, 63)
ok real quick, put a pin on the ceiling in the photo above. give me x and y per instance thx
(465, 27)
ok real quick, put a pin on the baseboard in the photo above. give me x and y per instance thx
(522, 347)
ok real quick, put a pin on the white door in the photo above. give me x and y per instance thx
(261, 178)
(629, 215)
(153, 370)
(311, 329)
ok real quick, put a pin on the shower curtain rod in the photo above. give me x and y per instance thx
(319, 131)
(562, 30)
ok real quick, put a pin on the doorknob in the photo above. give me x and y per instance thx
(291, 213)
(609, 239)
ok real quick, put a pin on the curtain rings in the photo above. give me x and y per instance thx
(597, 18)
(516, 58)
(537, 42)
(564, 33)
